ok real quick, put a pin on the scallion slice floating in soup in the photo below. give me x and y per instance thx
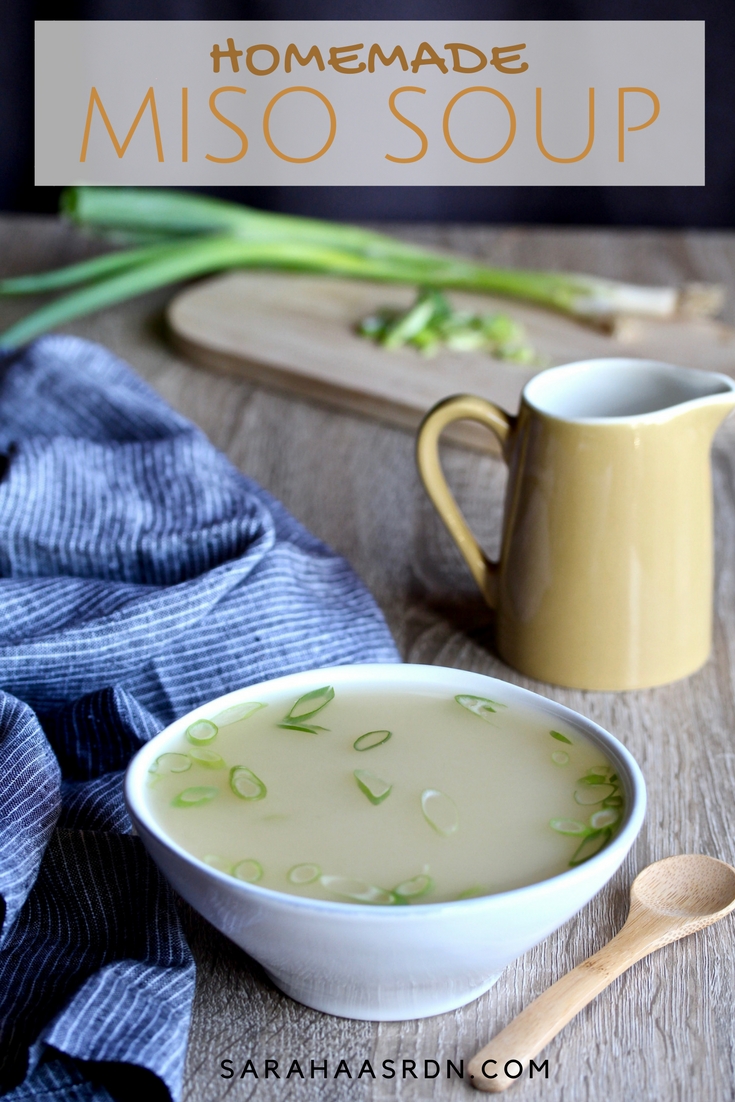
(249, 870)
(372, 739)
(375, 788)
(304, 874)
(238, 712)
(310, 729)
(195, 797)
(414, 888)
(587, 795)
(592, 844)
(201, 732)
(310, 703)
(210, 759)
(560, 758)
(357, 890)
(480, 706)
(171, 763)
(568, 826)
(440, 811)
(473, 892)
(245, 784)
(604, 818)
(560, 737)
(216, 862)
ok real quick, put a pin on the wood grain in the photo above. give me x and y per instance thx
(298, 333)
(664, 1030)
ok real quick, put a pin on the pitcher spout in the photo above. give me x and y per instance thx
(713, 403)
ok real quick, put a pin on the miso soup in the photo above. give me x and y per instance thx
(385, 797)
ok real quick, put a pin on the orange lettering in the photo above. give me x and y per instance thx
(120, 149)
(228, 122)
(409, 124)
(511, 116)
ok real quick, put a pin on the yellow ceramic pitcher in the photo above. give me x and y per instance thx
(605, 572)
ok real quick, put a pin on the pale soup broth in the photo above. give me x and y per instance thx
(385, 797)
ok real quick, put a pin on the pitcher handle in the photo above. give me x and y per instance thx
(461, 407)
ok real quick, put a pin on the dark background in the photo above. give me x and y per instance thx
(712, 205)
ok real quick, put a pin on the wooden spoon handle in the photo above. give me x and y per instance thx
(535, 1026)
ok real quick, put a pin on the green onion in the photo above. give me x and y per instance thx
(595, 841)
(245, 784)
(171, 763)
(216, 862)
(593, 794)
(201, 732)
(210, 759)
(479, 705)
(304, 874)
(440, 811)
(238, 712)
(310, 703)
(613, 801)
(197, 235)
(560, 737)
(371, 739)
(375, 788)
(414, 888)
(595, 777)
(560, 758)
(604, 818)
(568, 826)
(195, 797)
(357, 890)
(311, 730)
(472, 893)
(431, 323)
(249, 870)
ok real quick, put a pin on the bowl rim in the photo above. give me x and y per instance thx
(616, 752)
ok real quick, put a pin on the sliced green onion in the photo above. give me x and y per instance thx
(472, 893)
(414, 888)
(238, 712)
(245, 784)
(195, 797)
(593, 778)
(560, 758)
(560, 737)
(479, 705)
(304, 874)
(249, 870)
(371, 739)
(357, 890)
(605, 818)
(595, 841)
(593, 794)
(568, 826)
(310, 729)
(440, 811)
(375, 788)
(171, 763)
(201, 731)
(216, 862)
(310, 703)
(210, 759)
(613, 801)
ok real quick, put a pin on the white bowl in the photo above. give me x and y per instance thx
(386, 963)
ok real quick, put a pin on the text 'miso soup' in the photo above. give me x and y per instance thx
(385, 797)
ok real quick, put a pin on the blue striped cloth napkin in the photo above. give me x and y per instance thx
(140, 574)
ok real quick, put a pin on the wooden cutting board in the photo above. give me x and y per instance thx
(297, 333)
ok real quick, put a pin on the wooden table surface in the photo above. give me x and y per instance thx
(666, 1029)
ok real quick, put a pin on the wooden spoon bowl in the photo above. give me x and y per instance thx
(668, 900)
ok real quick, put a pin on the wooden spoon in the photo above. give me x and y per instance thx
(668, 900)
